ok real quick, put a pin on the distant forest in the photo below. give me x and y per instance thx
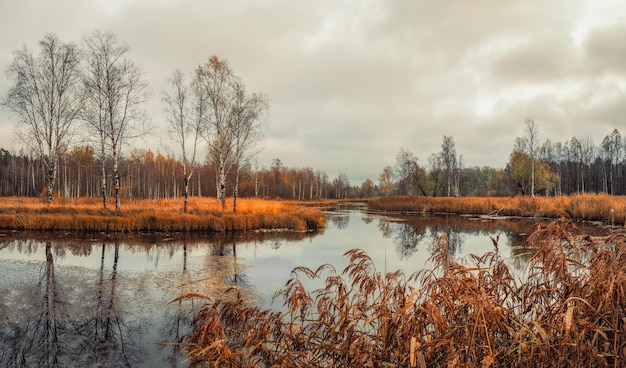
(146, 175)
(575, 166)
(548, 169)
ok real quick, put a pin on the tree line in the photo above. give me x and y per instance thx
(550, 168)
(144, 174)
(575, 166)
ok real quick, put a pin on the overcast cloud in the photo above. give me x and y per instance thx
(350, 82)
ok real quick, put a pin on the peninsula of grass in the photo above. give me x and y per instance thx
(204, 215)
(588, 207)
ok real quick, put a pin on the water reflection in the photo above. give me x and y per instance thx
(43, 329)
(340, 220)
(35, 341)
(107, 303)
(81, 302)
(108, 334)
(410, 233)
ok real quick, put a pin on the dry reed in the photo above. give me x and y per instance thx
(204, 215)
(569, 309)
(591, 207)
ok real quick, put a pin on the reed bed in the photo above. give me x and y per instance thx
(569, 310)
(204, 215)
(589, 207)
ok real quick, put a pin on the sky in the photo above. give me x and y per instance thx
(351, 82)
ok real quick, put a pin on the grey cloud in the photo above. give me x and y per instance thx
(606, 48)
(535, 63)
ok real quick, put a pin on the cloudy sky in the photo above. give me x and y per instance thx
(350, 82)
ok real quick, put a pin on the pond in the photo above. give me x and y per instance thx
(71, 301)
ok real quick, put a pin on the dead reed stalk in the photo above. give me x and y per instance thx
(568, 309)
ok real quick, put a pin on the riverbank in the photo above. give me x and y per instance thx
(587, 207)
(204, 215)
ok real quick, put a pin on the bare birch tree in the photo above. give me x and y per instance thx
(246, 127)
(99, 52)
(613, 146)
(449, 162)
(185, 110)
(45, 95)
(118, 114)
(532, 142)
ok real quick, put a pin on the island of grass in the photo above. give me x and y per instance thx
(204, 215)
(604, 208)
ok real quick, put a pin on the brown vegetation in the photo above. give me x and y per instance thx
(591, 207)
(568, 310)
(204, 215)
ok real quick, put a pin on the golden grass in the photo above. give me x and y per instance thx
(568, 311)
(204, 215)
(591, 207)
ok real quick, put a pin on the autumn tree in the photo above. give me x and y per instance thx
(46, 97)
(218, 81)
(385, 181)
(519, 170)
(117, 93)
(551, 153)
(341, 184)
(368, 189)
(405, 171)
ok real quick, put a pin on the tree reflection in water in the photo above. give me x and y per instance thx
(340, 220)
(35, 340)
(410, 232)
(177, 323)
(107, 335)
(50, 331)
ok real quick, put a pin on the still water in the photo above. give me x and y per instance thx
(75, 302)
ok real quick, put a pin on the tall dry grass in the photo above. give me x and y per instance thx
(590, 207)
(569, 310)
(204, 215)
